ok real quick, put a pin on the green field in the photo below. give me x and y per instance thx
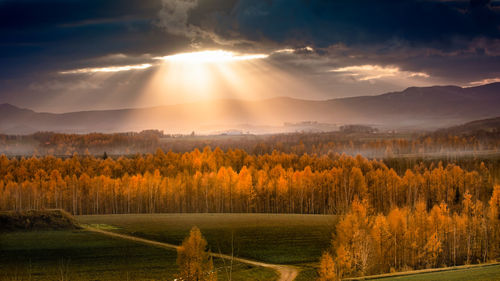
(481, 273)
(82, 255)
(272, 238)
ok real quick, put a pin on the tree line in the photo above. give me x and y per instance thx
(231, 181)
(368, 144)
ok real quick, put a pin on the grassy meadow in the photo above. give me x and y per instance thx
(272, 238)
(293, 239)
(82, 255)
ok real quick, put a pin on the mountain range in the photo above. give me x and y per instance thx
(413, 108)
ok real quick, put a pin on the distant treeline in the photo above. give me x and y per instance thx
(232, 181)
(369, 144)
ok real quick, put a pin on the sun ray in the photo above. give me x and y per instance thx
(214, 83)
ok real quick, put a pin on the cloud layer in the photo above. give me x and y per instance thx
(344, 48)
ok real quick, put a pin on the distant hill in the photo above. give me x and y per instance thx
(491, 125)
(414, 108)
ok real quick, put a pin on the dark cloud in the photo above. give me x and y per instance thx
(29, 14)
(324, 23)
(297, 23)
(417, 35)
(42, 36)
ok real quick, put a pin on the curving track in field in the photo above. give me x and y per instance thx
(287, 273)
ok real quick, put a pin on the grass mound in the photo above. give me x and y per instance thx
(36, 220)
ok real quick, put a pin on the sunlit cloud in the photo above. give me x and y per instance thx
(484, 81)
(306, 49)
(286, 51)
(108, 69)
(211, 56)
(371, 72)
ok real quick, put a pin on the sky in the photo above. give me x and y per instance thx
(70, 55)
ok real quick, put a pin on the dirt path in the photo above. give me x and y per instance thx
(287, 273)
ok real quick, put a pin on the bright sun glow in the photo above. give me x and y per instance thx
(206, 74)
(214, 56)
(218, 74)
